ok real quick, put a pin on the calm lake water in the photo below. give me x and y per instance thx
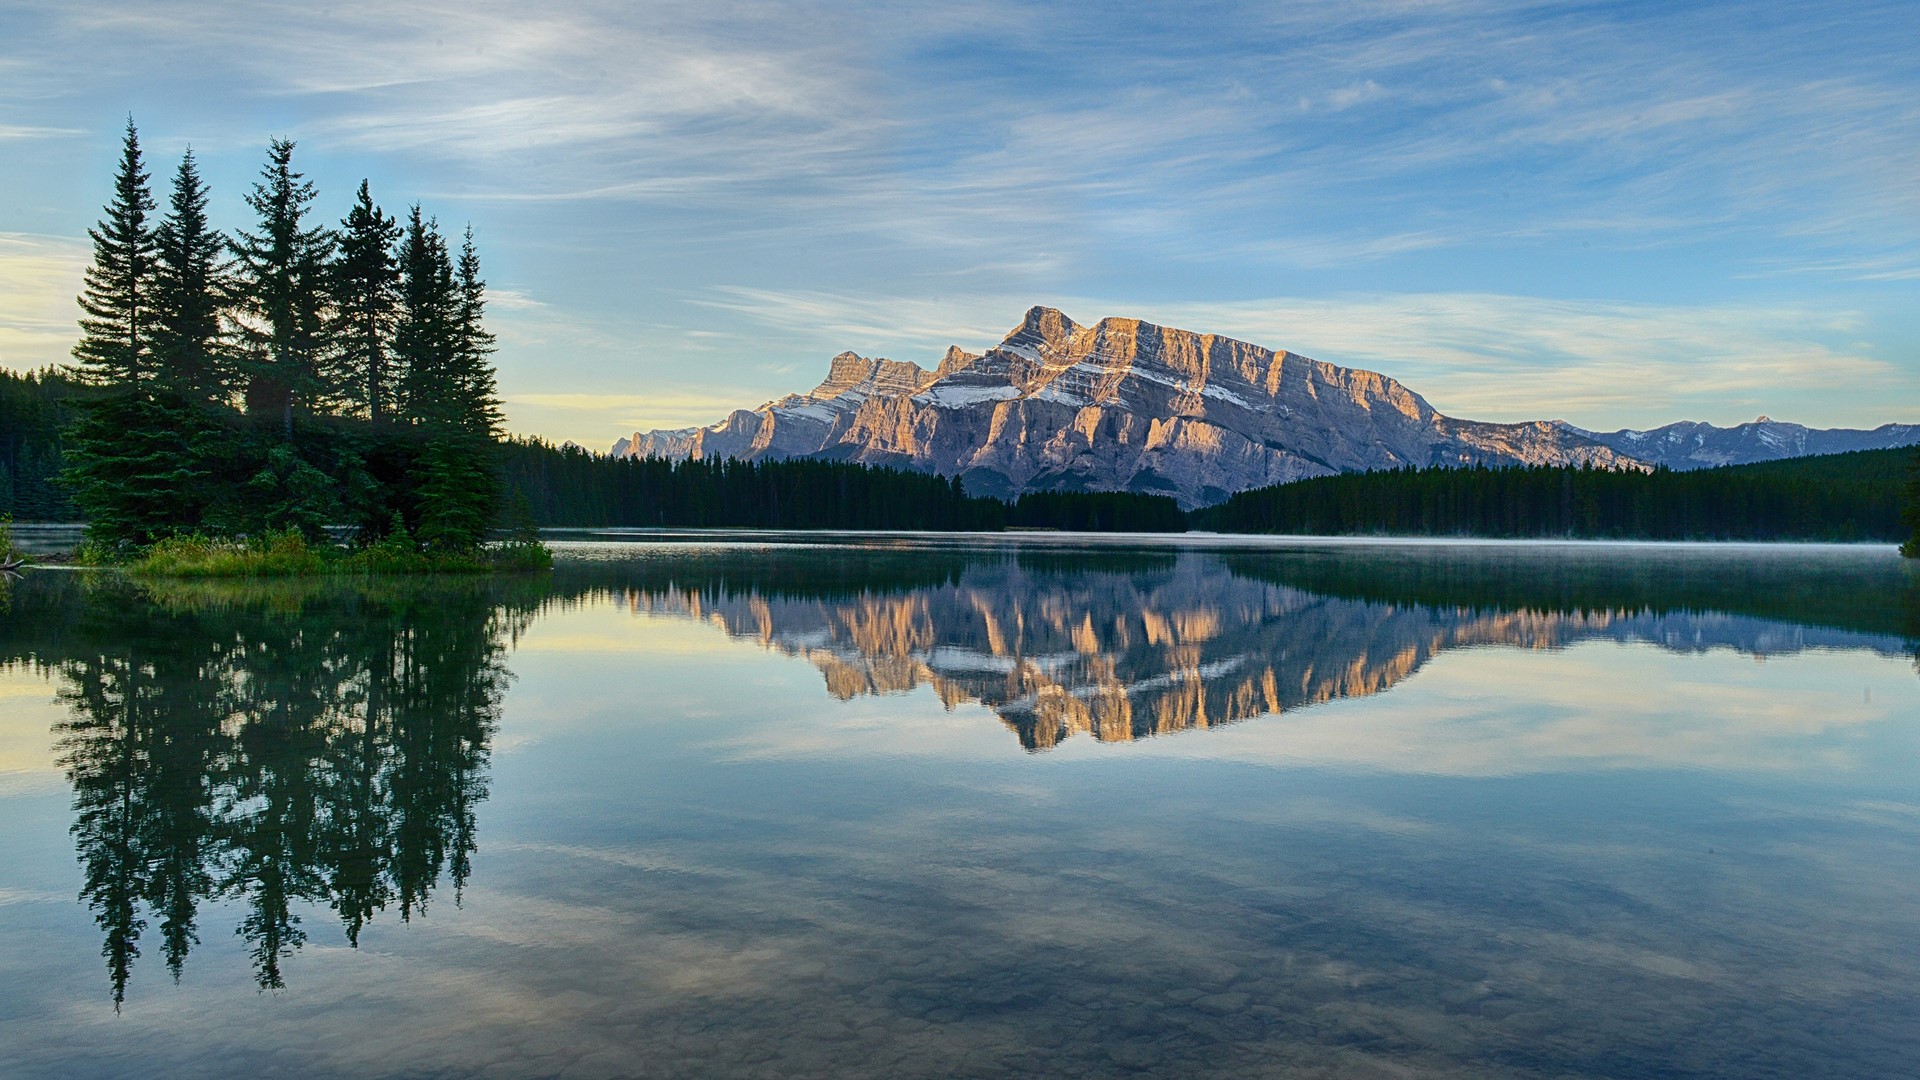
(898, 807)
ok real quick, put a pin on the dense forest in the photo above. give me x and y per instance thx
(1856, 496)
(284, 378)
(569, 487)
(35, 410)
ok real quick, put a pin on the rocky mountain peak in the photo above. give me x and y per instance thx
(1119, 405)
(850, 372)
(1042, 326)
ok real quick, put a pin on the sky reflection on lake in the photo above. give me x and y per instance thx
(937, 808)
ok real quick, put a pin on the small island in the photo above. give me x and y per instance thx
(294, 399)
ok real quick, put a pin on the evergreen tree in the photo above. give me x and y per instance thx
(377, 320)
(280, 293)
(187, 294)
(478, 407)
(424, 341)
(133, 467)
(366, 288)
(116, 345)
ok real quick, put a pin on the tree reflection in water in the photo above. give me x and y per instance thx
(277, 745)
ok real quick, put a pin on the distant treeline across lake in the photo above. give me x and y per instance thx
(1856, 496)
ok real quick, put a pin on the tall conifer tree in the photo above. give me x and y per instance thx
(131, 462)
(366, 290)
(479, 405)
(187, 294)
(280, 292)
(116, 346)
(424, 340)
(450, 387)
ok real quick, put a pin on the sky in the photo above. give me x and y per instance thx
(1618, 214)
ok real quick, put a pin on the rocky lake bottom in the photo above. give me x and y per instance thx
(773, 805)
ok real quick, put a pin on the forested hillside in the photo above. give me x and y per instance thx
(34, 414)
(567, 486)
(1856, 496)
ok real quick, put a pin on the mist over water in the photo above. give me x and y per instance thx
(772, 805)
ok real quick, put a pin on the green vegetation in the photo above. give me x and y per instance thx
(268, 386)
(569, 487)
(1114, 511)
(1852, 496)
(290, 554)
(35, 410)
(8, 557)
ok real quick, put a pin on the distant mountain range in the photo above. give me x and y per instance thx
(1690, 444)
(1124, 405)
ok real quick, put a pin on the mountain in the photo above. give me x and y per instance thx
(1693, 445)
(1121, 405)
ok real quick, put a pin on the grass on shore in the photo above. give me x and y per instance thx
(289, 555)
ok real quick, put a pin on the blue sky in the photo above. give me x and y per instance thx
(1619, 214)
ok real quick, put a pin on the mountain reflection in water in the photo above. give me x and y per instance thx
(286, 747)
(1124, 647)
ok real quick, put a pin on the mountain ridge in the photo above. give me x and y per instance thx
(1127, 405)
(1694, 444)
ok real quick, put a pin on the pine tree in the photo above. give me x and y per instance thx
(115, 347)
(451, 394)
(424, 340)
(280, 293)
(187, 295)
(479, 396)
(133, 469)
(366, 287)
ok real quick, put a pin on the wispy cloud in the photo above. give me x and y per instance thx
(1598, 363)
(39, 278)
(11, 132)
(600, 418)
(1480, 356)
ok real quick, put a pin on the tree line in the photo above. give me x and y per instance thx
(35, 410)
(289, 376)
(568, 486)
(1866, 495)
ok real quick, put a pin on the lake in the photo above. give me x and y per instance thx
(901, 806)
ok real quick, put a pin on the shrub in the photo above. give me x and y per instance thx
(279, 554)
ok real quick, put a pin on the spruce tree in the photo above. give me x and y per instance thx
(132, 461)
(424, 340)
(116, 348)
(280, 293)
(473, 375)
(451, 393)
(366, 289)
(187, 295)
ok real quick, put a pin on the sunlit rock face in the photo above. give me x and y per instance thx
(1131, 654)
(1121, 405)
